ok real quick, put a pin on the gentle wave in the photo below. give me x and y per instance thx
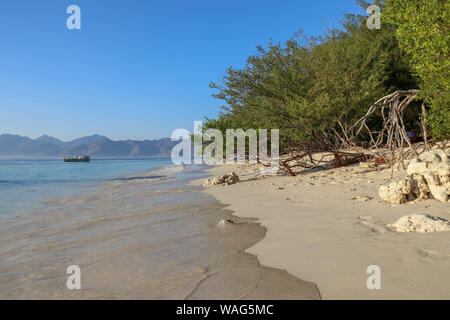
(24, 184)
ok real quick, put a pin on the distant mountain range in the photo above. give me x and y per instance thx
(14, 146)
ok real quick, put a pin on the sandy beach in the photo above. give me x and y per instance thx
(328, 227)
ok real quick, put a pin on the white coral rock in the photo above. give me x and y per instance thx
(428, 175)
(226, 179)
(431, 162)
(420, 223)
(396, 192)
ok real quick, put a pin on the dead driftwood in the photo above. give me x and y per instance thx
(290, 162)
(389, 145)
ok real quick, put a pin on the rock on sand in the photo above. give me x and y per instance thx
(421, 224)
(226, 179)
(428, 176)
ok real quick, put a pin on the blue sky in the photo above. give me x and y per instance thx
(137, 69)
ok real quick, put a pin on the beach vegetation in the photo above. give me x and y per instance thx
(313, 89)
(423, 32)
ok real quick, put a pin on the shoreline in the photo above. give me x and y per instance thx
(318, 232)
(235, 235)
(146, 235)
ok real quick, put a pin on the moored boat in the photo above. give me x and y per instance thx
(77, 159)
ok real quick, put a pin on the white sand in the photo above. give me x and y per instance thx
(317, 232)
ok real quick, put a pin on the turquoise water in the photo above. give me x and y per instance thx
(137, 229)
(24, 184)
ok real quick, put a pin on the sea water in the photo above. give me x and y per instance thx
(136, 229)
(24, 184)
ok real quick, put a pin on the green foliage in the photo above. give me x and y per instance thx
(312, 89)
(423, 32)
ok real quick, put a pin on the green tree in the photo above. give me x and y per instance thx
(315, 88)
(423, 32)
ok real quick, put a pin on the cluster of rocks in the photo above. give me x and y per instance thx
(428, 177)
(226, 179)
(420, 223)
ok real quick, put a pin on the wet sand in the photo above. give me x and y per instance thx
(328, 227)
(148, 236)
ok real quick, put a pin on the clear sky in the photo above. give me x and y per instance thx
(137, 69)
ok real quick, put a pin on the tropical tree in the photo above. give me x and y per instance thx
(314, 89)
(422, 29)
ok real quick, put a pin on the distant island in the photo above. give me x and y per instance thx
(15, 146)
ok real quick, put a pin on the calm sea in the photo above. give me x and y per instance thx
(24, 184)
(137, 229)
